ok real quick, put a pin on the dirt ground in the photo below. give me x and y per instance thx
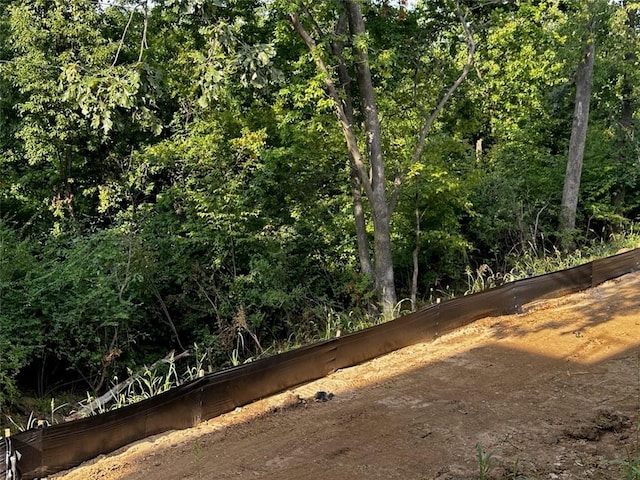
(552, 393)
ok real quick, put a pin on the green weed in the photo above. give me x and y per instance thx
(197, 456)
(630, 468)
(532, 261)
(35, 420)
(485, 463)
(484, 278)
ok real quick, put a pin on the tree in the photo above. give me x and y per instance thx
(369, 169)
(76, 107)
(593, 21)
(583, 82)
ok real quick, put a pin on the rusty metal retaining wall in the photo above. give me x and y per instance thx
(52, 449)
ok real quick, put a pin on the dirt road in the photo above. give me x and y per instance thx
(553, 393)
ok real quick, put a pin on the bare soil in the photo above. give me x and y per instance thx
(552, 393)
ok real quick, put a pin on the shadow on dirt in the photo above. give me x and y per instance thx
(552, 393)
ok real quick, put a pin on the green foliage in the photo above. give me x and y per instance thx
(20, 334)
(86, 294)
(228, 57)
(176, 175)
(75, 112)
(485, 462)
(631, 469)
(103, 96)
(77, 301)
(521, 68)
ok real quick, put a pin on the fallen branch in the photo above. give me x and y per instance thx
(112, 394)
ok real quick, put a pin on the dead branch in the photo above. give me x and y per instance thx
(112, 394)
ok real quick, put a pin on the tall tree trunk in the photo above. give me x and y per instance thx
(374, 186)
(630, 58)
(570, 192)
(383, 264)
(416, 250)
(362, 239)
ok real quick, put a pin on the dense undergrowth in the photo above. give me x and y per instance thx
(144, 382)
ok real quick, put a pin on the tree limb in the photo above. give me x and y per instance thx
(347, 127)
(393, 200)
(369, 108)
(143, 41)
(312, 19)
(471, 48)
(169, 321)
(337, 47)
(124, 34)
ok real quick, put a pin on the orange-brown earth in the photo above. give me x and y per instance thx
(552, 393)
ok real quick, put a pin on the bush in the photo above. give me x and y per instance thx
(20, 334)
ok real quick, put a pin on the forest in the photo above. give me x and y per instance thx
(245, 176)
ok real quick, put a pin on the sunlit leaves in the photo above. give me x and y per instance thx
(521, 65)
(229, 59)
(104, 96)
